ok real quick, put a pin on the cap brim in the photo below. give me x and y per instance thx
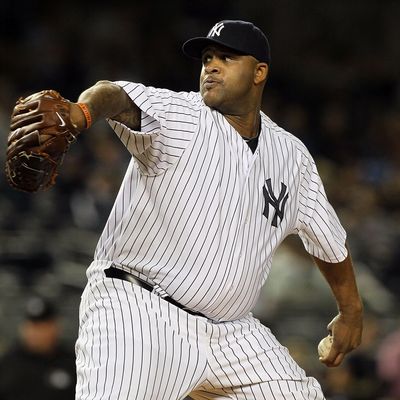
(194, 47)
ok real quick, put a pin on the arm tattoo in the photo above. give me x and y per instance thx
(108, 100)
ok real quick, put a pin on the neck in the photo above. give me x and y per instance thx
(248, 125)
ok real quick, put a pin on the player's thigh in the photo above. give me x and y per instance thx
(250, 363)
(129, 345)
(245, 352)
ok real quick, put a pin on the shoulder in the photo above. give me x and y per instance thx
(161, 95)
(276, 133)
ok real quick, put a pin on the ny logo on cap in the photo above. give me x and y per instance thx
(216, 29)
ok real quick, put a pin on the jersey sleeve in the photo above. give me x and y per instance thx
(168, 122)
(318, 224)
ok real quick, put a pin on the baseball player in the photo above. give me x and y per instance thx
(212, 189)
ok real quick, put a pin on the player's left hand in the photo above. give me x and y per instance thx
(40, 134)
(346, 331)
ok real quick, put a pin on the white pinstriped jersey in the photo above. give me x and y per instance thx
(200, 216)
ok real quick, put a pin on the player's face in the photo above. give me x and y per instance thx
(227, 81)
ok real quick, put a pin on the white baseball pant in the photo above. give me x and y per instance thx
(133, 345)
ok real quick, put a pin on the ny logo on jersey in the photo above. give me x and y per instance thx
(216, 29)
(277, 203)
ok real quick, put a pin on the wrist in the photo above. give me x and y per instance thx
(88, 116)
(80, 116)
(353, 308)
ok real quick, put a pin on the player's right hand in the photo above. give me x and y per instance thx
(346, 331)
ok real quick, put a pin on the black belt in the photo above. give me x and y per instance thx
(117, 273)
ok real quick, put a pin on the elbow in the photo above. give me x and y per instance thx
(104, 82)
(107, 85)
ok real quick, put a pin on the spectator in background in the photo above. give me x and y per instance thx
(388, 356)
(38, 367)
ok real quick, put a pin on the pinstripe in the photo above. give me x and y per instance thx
(262, 388)
(82, 342)
(162, 380)
(201, 247)
(167, 381)
(87, 356)
(174, 211)
(100, 341)
(131, 320)
(214, 250)
(128, 243)
(192, 383)
(242, 370)
(177, 223)
(178, 367)
(184, 380)
(271, 390)
(274, 370)
(91, 359)
(286, 390)
(260, 364)
(141, 349)
(127, 226)
(150, 332)
(244, 352)
(217, 360)
(113, 349)
(120, 308)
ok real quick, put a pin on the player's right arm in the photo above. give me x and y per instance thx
(346, 327)
(106, 100)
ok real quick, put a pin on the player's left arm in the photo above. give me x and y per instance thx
(346, 327)
(106, 99)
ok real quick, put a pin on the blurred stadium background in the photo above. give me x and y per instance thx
(334, 82)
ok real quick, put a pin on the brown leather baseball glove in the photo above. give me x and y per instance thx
(41, 133)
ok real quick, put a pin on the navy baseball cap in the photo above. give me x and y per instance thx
(240, 36)
(39, 309)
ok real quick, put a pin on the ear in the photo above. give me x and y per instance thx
(261, 73)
